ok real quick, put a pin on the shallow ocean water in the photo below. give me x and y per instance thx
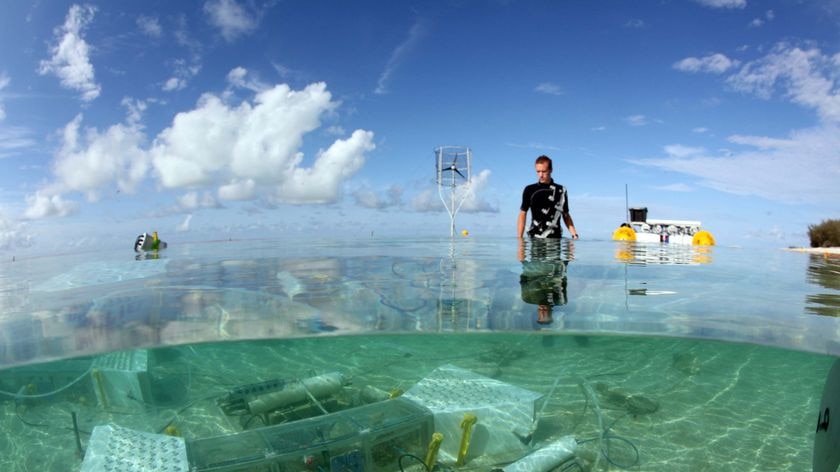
(654, 358)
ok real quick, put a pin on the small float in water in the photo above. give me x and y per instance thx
(644, 230)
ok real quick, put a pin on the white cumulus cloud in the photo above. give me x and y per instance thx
(678, 150)
(714, 63)
(239, 151)
(230, 17)
(367, 198)
(13, 234)
(194, 200)
(150, 26)
(321, 182)
(240, 78)
(174, 83)
(260, 141)
(769, 15)
(90, 159)
(183, 71)
(723, 3)
(636, 120)
(807, 77)
(70, 60)
(42, 205)
(549, 88)
(238, 190)
(800, 167)
(476, 200)
(471, 199)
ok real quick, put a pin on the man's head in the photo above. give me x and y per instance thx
(543, 168)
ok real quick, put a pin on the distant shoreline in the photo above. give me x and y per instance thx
(815, 250)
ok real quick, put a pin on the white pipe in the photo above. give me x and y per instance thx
(546, 458)
(298, 392)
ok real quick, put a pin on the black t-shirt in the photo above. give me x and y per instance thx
(548, 203)
(543, 282)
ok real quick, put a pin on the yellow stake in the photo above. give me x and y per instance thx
(466, 424)
(434, 446)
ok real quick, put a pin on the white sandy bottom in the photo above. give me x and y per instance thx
(666, 405)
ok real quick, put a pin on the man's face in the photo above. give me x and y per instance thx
(543, 173)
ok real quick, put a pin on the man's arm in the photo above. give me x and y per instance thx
(567, 218)
(520, 224)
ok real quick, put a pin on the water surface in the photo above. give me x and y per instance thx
(653, 357)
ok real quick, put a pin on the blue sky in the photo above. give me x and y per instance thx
(232, 119)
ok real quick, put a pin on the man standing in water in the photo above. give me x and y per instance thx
(543, 279)
(548, 202)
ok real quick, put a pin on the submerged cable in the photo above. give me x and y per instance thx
(20, 395)
(312, 397)
(550, 394)
(597, 408)
(411, 456)
(605, 436)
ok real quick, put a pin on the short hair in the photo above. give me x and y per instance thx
(544, 160)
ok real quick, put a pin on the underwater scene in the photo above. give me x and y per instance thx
(419, 355)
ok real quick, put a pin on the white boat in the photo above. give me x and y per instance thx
(644, 230)
(665, 231)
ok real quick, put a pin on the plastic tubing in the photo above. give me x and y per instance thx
(605, 436)
(48, 394)
(550, 394)
(597, 409)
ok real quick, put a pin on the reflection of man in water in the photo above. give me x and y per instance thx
(543, 279)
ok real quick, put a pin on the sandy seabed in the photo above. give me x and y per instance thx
(638, 404)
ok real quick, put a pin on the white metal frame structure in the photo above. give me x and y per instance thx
(454, 172)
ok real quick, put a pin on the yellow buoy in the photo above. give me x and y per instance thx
(465, 233)
(703, 238)
(624, 233)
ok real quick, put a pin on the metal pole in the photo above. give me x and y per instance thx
(627, 204)
(452, 215)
